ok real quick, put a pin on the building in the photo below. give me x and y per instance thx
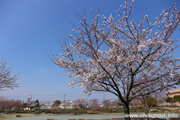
(32, 106)
(171, 94)
(68, 104)
(46, 106)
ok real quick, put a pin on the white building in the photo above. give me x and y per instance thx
(68, 104)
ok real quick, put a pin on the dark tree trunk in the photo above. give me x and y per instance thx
(127, 111)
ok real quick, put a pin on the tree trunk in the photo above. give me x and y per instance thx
(126, 111)
(146, 107)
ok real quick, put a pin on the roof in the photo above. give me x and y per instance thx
(173, 91)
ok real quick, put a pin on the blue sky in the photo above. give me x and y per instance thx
(30, 31)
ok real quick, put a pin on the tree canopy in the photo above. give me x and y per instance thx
(123, 57)
(176, 98)
(57, 102)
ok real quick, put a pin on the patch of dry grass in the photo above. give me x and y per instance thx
(13, 115)
(166, 109)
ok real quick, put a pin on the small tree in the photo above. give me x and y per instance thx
(161, 98)
(94, 104)
(148, 103)
(177, 98)
(170, 100)
(123, 57)
(25, 105)
(107, 103)
(37, 101)
(56, 104)
(80, 103)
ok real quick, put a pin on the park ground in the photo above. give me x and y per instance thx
(153, 110)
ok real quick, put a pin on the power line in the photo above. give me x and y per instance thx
(46, 95)
(52, 97)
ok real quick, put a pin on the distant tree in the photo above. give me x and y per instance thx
(124, 56)
(57, 102)
(25, 105)
(150, 100)
(94, 104)
(2, 102)
(177, 98)
(170, 100)
(110, 103)
(161, 98)
(136, 102)
(148, 103)
(37, 101)
(7, 80)
(80, 103)
(9, 104)
(106, 103)
(17, 104)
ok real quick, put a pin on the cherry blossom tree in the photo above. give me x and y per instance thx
(123, 57)
(9, 104)
(80, 103)
(94, 104)
(7, 80)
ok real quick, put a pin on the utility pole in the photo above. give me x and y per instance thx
(103, 96)
(64, 100)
